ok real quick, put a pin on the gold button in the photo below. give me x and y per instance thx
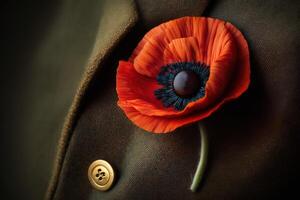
(101, 175)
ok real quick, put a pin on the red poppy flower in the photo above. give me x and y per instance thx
(181, 72)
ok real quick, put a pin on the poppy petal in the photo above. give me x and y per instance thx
(148, 62)
(183, 50)
(163, 124)
(241, 80)
(147, 55)
(221, 70)
(129, 84)
(216, 43)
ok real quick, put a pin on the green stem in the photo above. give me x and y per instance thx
(203, 160)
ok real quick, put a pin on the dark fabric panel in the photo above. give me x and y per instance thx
(253, 141)
(266, 116)
(45, 46)
(153, 13)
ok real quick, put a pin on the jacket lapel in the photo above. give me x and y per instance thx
(118, 17)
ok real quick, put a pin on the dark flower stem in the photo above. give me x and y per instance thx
(203, 159)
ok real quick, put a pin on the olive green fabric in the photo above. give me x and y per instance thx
(62, 49)
(45, 50)
(253, 149)
(127, 47)
(152, 13)
(121, 16)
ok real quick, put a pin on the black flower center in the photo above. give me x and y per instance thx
(182, 82)
(186, 83)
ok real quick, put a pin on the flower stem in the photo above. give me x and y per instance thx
(203, 160)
